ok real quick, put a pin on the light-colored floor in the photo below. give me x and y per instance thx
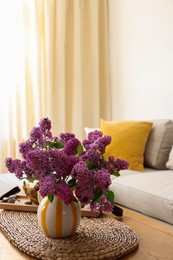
(155, 240)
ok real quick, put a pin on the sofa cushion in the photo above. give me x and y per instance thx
(159, 144)
(169, 163)
(128, 140)
(148, 192)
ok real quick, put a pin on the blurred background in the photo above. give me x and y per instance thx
(76, 61)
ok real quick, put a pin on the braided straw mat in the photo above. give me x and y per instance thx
(96, 238)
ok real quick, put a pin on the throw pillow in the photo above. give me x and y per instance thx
(159, 144)
(128, 140)
(169, 163)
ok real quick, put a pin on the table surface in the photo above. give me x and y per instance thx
(155, 239)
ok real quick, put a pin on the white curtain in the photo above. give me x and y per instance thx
(54, 61)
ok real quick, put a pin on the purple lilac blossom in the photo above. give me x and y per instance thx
(94, 135)
(45, 127)
(9, 164)
(71, 146)
(47, 185)
(96, 140)
(64, 192)
(15, 166)
(18, 167)
(52, 167)
(27, 172)
(64, 138)
(86, 144)
(36, 136)
(102, 179)
(95, 206)
(95, 148)
(62, 163)
(85, 193)
(102, 142)
(25, 147)
(56, 139)
(91, 156)
(48, 136)
(104, 205)
(81, 173)
(117, 164)
(45, 124)
(37, 159)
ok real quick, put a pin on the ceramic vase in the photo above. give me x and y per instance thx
(56, 219)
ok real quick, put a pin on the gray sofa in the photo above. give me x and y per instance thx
(150, 191)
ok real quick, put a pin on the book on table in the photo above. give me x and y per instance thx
(9, 185)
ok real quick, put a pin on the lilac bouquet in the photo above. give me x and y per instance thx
(68, 168)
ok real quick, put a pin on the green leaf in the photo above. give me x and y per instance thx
(110, 195)
(91, 165)
(80, 149)
(98, 194)
(71, 183)
(57, 145)
(31, 179)
(117, 174)
(50, 197)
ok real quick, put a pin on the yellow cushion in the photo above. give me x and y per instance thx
(128, 141)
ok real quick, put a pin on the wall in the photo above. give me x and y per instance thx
(141, 51)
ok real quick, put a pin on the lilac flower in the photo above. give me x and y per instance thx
(45, 124)
(104, 205)
(64, 138)
(10, 165)
(36, 135)
(86, 144)
(38, 160)
(102, 179)
(61, 163)
(81, 173)
(56, 139)
(102, 142)
(91, 156)
(94, 135)
(13, 166)
(64, 193)
(47, 185)
(65, 171)
(115, 165)
(25, 147)
(18, 167)
(85, 193)
(120, 164)
(71, 146)
(95, 147)
(45, 127)
(95, 206)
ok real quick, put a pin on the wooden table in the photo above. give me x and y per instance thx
(155, 240)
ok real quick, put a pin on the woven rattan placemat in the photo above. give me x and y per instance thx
(96, 238)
